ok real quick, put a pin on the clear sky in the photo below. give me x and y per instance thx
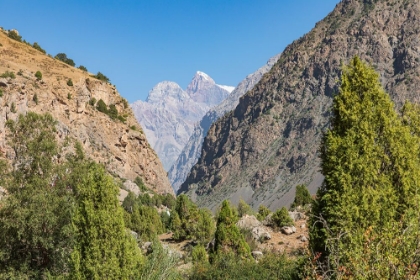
(139, 43)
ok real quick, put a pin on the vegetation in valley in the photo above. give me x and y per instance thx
(61, 219)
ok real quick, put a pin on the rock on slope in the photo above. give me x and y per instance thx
(191, 151)
(169, 113)
(124, 151)
(265, 147)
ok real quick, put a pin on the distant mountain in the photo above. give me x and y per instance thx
(118, 143)
(269, 144)
(191, 152)
(169, 113)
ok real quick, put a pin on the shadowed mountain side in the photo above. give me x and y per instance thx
(191, 152)
(269, 144)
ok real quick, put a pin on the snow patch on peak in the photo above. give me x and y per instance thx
(204, 75)
(227, 88)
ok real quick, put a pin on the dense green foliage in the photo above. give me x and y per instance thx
(103, 247)
(35, 231)
(112, 111)
(228, 238)
(263, 212)
(101, 77)
(302, 197)
(160, 265)
(366, 215)
(36, 46)
(8, 74)
(282, 218)
(14, 35)
(38, 75)
(190, 222)
(63, 57)
(244, 208)
(229, 266)
(60, 218)
(83, 68)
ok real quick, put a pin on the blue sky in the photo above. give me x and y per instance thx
(140, 43)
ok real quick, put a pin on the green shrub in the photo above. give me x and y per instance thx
(38, 75)
(1, 93)
(199, 254)
(69, 96)
(101, 77)
(139, 182)
(302, 198)
(101, 106)
(83, 68)
(231, 266)
(8, 74)
(282, 218)
(228, 238)
(63, 57)
(69, 82)
(244, 208)
(92, 101)
(20, 72)
(14, 35)
(263, 212)
(38, 47)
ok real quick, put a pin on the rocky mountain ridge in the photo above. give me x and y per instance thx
(121, 146)
(191, 152)
(169, 113)
(269, 144)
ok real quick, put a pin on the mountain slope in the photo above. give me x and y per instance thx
(169, 113)
(121, 147)
(269, 143)
(191, 151)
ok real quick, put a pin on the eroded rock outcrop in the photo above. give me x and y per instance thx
(121, 146)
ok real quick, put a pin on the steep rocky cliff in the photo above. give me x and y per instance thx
(121, 146)
(269, 143)
(169, 114)
(191, 151)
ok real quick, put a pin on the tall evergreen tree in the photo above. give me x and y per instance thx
(366, 215)
(228, 238)
(35, 216)
(104, 249)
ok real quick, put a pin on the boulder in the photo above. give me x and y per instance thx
(288, 230)
(296, 216)
(132, 187)
(248, 222)
(260, 233)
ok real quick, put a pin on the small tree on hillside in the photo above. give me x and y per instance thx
(302, 197)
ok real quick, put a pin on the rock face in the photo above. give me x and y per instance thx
(121, 147)
(169, 114)
(269, 144)
(191, 152)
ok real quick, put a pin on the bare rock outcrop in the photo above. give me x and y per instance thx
(269, 144)
(121, 146)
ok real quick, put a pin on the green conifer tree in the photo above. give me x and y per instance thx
(366, 215)
(35, 216)
(228, 238)
(104, 249)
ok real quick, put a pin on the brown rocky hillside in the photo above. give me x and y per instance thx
(121, 147)
(269, 144)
